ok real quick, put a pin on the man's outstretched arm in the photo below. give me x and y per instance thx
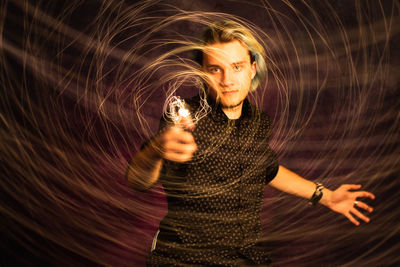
(144, 169)
(341, 200)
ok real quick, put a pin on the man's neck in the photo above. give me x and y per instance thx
(233, 113)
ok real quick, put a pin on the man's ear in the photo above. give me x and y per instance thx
(253, 69)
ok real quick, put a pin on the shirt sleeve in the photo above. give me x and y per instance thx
(272, 162)
(273, 166)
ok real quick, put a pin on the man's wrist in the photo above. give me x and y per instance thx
(326, 198)
(318, 194)
(155, 148)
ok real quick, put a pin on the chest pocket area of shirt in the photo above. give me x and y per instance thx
(219, 165)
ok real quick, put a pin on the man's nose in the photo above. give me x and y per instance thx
(227, 78)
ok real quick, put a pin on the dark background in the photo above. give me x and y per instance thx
(83, 86)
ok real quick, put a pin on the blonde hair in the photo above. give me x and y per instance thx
(227, 31)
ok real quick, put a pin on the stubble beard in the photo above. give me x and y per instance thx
(217, 99)
(232, 106)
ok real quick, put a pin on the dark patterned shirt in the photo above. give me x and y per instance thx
(215, 200)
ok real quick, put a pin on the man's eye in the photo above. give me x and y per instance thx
(215, 70)
(237, 67)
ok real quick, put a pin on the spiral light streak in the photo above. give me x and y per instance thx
(84, 83)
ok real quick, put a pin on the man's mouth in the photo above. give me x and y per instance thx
(230, 92)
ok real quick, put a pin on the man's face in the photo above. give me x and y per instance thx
(229, 72)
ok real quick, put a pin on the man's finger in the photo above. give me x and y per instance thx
(180, 148)
(364, 206)
(178, 157)
(365, 194)
(187, 122)
(176, 133)
(351, 186)
(351, 218)
(360, 215)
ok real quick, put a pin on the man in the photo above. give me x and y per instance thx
(214, 172)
